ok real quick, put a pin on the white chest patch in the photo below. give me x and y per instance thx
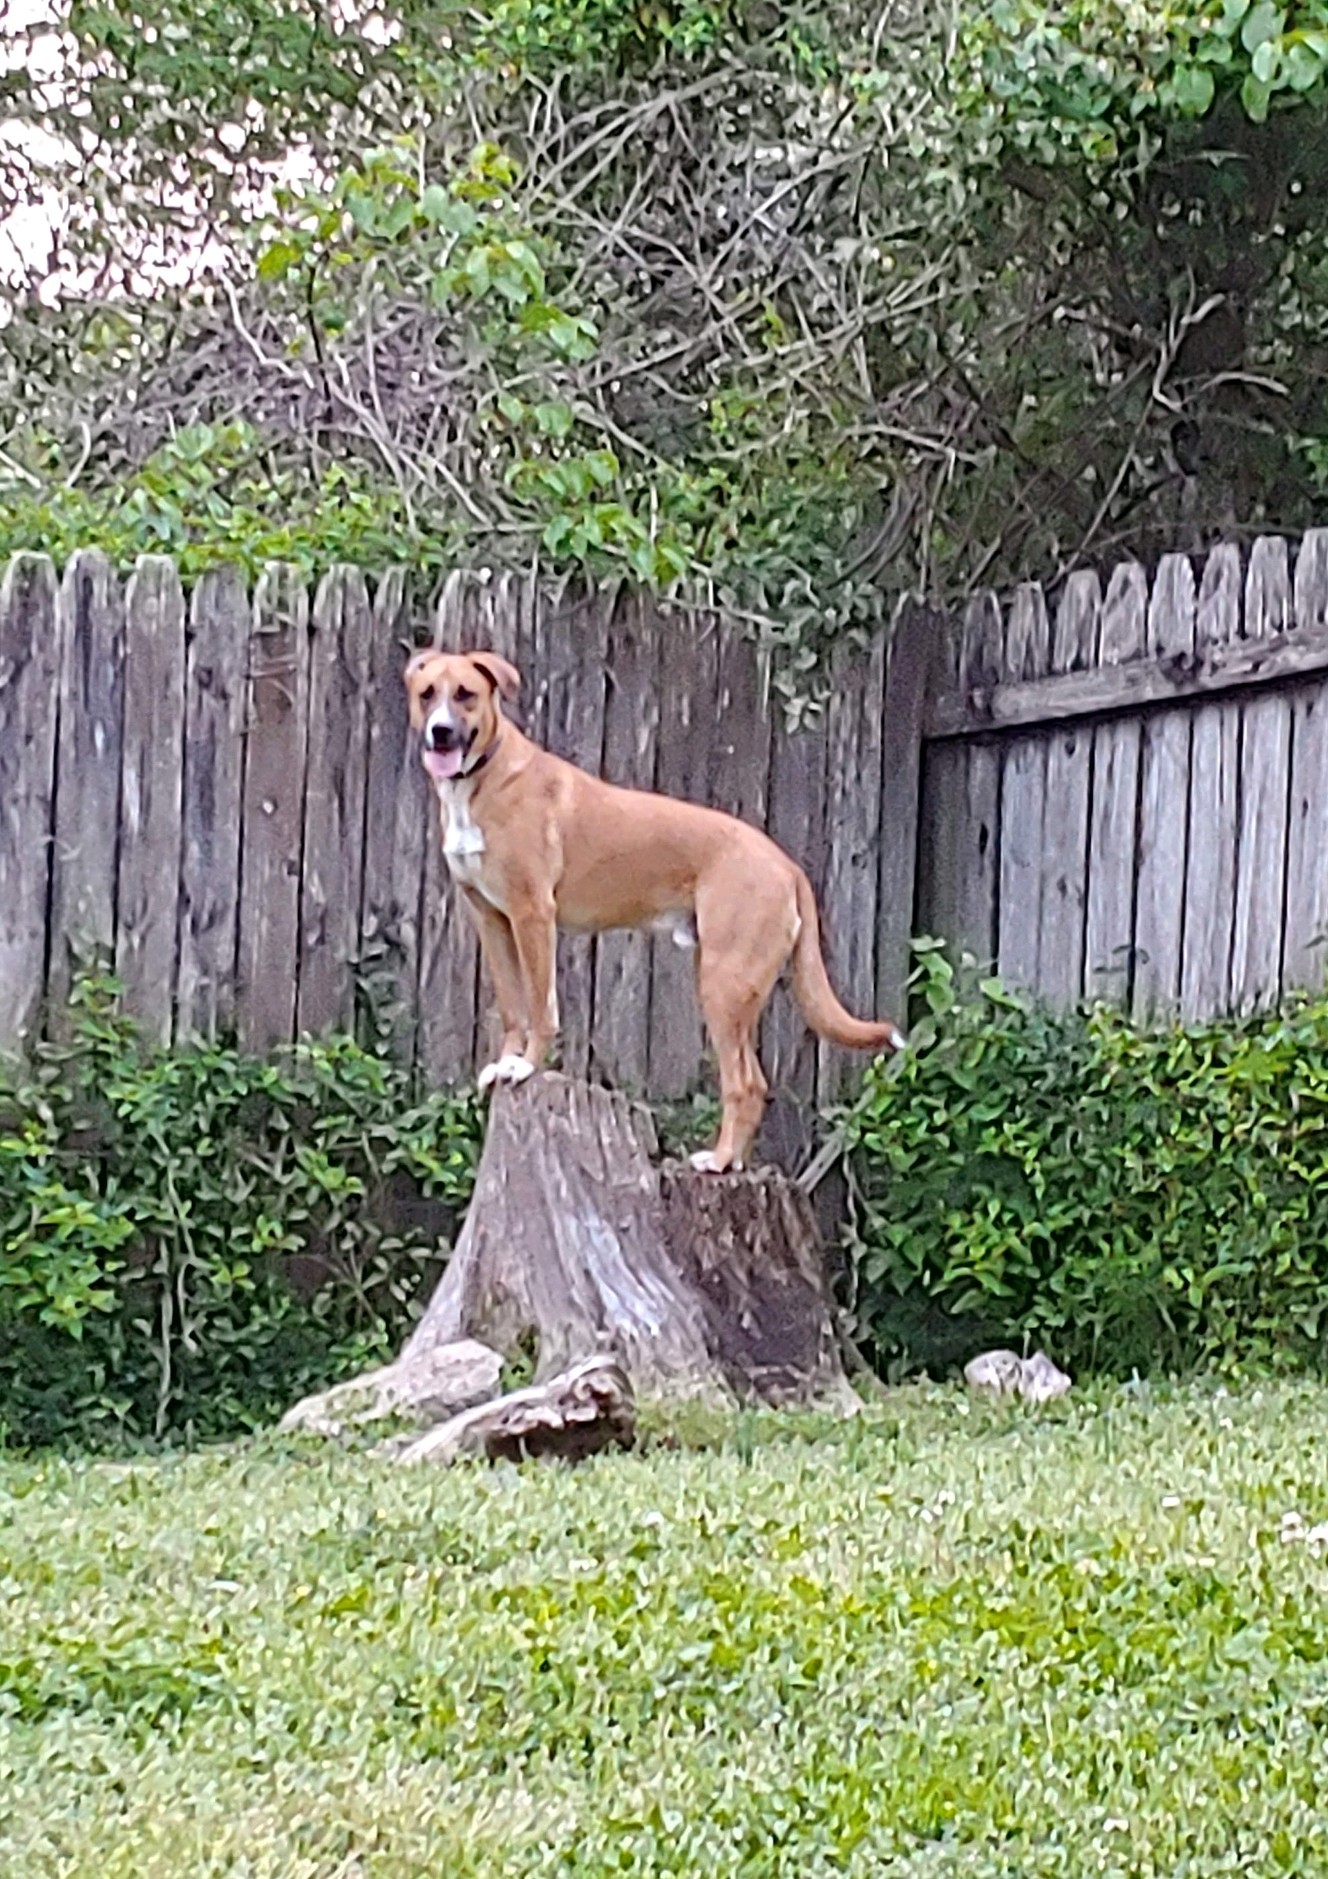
(463, 839)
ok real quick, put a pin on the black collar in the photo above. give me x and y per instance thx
(464, 776)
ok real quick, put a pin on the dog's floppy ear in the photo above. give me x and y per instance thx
(501, 673)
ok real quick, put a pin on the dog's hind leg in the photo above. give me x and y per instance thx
(743, 946)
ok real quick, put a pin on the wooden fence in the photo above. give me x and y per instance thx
(1132, 802)
(217, 793)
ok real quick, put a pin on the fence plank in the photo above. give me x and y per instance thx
(551, 599)
(960, 818)
(276, 741)
(1265, 733)
(1164, 805)
(796, 820)
(621, 1043)
(87, 803)
(1064, 886)
(912, 657)
(1210, 873)
(853, 838)
(332, 865)
(400, 818)
(1305, 949)
(1109, 927)
(30, 667)
(688, 674)
(448, 969)
(152, 792)
(577, 652)
(1023, 798)
(220, 620)
(1305, 943)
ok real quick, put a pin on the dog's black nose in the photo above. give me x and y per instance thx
(441, 737)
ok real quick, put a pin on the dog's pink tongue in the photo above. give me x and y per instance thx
(442, 764)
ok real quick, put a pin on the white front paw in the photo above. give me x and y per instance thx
(705, 1161)
(508, 1069)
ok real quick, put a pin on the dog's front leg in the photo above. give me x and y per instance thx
(535, 930)
(498, 949)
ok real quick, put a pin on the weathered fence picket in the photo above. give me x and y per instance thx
(1214, 812)
(151, 791)
(86, 818)
(213, 792)
(30, 672)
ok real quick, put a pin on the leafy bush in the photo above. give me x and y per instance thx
(167, 1220)
(792, 310)
(1130, 1197)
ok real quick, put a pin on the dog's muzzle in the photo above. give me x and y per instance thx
(443, 737)
(445, 748)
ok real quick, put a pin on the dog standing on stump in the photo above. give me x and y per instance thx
(535, 844)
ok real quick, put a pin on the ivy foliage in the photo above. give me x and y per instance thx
(1127, 1198)
(190, 1238)
(788, 308)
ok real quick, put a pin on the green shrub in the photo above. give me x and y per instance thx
(1131, 1198)
(168, 1219)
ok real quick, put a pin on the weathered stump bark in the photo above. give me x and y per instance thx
(573, 1415)
(576, 1243)
(747, 1246)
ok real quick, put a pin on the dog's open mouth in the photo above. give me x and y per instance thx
(442, 765)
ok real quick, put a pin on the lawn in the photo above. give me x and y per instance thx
(943, 1640)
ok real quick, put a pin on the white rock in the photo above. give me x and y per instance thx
(995, 1372)
(1004, 1373)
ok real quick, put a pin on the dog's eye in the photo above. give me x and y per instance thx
(462, 696)
(426, 696)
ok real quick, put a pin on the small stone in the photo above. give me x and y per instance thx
(1040, 1381)
(995, 1373)
(1004, 1373)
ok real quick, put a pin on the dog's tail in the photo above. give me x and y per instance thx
(814, 992)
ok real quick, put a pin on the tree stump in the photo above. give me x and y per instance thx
(695, 1286)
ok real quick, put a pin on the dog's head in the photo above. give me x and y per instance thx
(456, 703)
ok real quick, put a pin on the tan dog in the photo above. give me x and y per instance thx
(535, 844)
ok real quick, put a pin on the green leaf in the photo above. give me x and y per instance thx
(1267, 62)
(554, 420)
(1264, 21)
(475, 272)
(1302, 66)
(1193, 89)
(276, 261)
(1254, 96)
(602, 466)
(458, 218)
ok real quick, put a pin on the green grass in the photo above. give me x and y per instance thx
(944, 1640)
